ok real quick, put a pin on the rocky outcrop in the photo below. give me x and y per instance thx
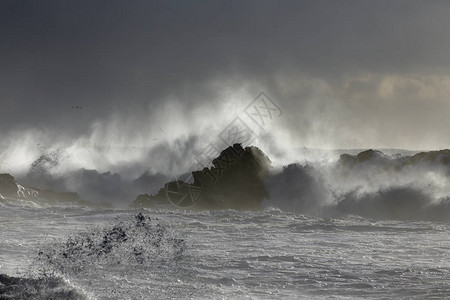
(11, 189)
(8, 186)
(441, 157)
(148, 200)
(365, 156)
(235, 180)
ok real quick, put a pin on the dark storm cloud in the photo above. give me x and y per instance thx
(108, 56)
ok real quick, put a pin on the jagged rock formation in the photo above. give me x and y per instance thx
(236, 180)
(10, 188)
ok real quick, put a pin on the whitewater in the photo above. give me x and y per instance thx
(370, 225)
(223, 255)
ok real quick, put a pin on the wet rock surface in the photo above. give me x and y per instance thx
(234, 181)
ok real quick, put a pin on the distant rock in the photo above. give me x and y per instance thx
(441, 157)
(146, 200)
(11, 189)
(235, 181)
(368, 155)
(8, 186)
(365, 156)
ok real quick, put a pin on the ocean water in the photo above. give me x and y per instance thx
(83, 253)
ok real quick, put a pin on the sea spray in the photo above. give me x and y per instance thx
(129, 242)
(370, 184)
(135, 240)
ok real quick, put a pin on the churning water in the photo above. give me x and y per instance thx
(79, 253)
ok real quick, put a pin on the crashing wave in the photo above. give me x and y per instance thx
(13, 190)
(87, 258)
(138, 240)
(369, 184)
(23, 192)
(399, 203)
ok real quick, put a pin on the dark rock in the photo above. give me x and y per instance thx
(365, 156)
(146, 200)
(441, 157)
(368, 155)
(8, 186)
(236, 181)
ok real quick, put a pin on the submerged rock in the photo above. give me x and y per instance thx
(235, 180)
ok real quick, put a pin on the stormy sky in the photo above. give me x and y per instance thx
(345, 74)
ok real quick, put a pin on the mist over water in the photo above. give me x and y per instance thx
(131, 151)
(135, 152)
(380, 186)
(104, 102)
(337, 222)
(391, 185)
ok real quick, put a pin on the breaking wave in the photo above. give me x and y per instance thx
(373, 184)
(370, 184)
(87, 258)
(135, 241)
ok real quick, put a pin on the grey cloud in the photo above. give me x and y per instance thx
(128, 57)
